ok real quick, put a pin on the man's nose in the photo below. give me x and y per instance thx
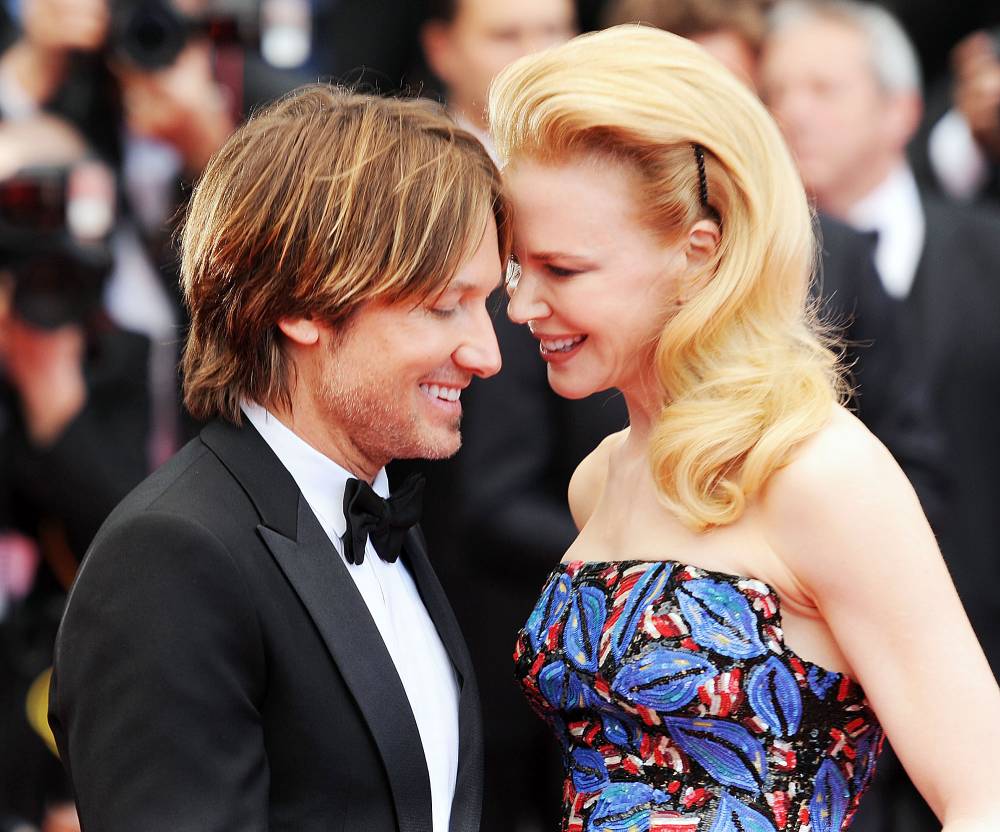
(480, 352)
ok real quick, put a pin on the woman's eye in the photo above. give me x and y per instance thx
(438, 312)
(557, 271)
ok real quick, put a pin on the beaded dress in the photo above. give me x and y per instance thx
(679, 707)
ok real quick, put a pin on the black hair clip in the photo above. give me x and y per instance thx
(699, 155)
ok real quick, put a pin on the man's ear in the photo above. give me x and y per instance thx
(702, 243)
(301, 331)
(435, 40)
(904, 113)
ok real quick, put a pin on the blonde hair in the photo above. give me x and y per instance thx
(744, 371)
(326, 201)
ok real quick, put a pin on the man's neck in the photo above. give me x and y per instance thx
(474, 116)
(838, 202)
(327, 439)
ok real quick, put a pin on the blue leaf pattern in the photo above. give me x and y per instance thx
(704, 703)
(820, 681)
(733, 815)
(775, 697)
(726, 750)
(648, 587)
(582, 636)
(720, 618)
(864, 763)
(830, 800)
(561, 686)
(548, 609)
(621, 732)
(589, 770)
(625, 807)
(662, 678)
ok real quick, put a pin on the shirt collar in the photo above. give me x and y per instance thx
(321, 480)
(894, 209)
(896, 196)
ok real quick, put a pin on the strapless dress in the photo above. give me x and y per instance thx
(679, 706)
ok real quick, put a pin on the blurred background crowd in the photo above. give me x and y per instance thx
(109, 109)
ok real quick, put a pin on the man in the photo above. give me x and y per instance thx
(467, 43)
(963, 147)
(844, 83)
(731, 30)
(256, 639)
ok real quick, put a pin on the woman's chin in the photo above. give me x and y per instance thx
(572, 388)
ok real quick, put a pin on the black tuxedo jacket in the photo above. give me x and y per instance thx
(217, 669)
(896, 406)
(952, 339)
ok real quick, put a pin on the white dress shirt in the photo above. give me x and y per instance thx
(894, 210)
(391, 596)
(957, 160)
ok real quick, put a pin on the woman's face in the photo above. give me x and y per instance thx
(596, 285)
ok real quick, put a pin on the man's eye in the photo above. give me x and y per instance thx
(506, 35)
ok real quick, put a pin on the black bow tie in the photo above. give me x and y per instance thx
(386, 522)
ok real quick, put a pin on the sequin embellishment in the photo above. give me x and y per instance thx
(679, 706)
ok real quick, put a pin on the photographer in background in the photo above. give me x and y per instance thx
(185, 73)
(73, 423)
(964, 145)
(177, 78)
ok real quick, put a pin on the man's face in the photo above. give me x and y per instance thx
(388, 384)
(733, 51)
(486, 36)
(817, 78)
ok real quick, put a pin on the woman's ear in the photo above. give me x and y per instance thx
(699, 253)
(702, 243)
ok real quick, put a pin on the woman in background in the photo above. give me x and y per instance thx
(754, 593)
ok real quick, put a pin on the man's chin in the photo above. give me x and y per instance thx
(439, 443)
(447, 447)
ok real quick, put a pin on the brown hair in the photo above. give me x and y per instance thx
(326, 201)
(690, 18)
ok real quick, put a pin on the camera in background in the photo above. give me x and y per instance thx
(55, 225)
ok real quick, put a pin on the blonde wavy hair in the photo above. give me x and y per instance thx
(744, 365)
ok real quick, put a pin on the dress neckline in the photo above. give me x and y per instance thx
(679, 563)
(564, 565)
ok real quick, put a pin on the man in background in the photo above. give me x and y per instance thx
(467, 42)
(844, 83)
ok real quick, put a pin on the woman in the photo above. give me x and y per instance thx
(749, 555)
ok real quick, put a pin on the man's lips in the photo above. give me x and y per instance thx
(443, 391)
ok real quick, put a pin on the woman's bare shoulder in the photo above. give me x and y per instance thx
(839, 453)
(587, 482)
(840, 487)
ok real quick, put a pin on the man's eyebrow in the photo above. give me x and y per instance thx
(463, 286)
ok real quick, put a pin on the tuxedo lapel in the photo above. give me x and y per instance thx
(466, 807)
(320, 578)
